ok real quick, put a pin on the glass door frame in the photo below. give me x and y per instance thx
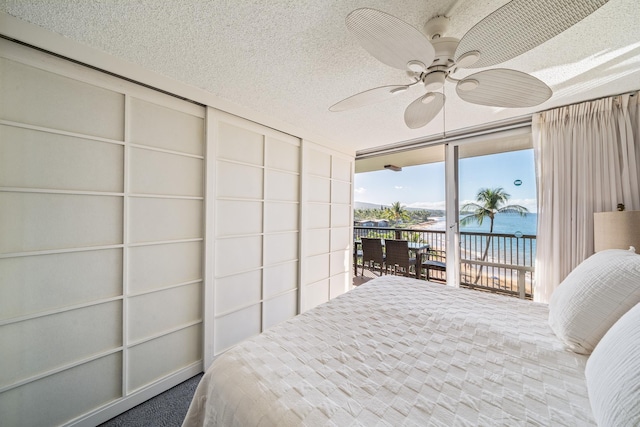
(452, 228)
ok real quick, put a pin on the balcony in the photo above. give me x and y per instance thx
(507, 268)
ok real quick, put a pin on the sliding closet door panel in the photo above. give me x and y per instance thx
(319, 190)
(280, 248)
(317, 241)
(342, 170)
(257, 220)
(238, 291)
(279, 217)
(317, 215)
(47, 282)
(282, 186)
(41, 98)
(341, 192)
(238, 217)
(69, 337)
(339, 284)
(165, 234)
(176, 129)
(159, 219)
(339, 262)
(157, 358)
(280, 278)
(155, 172)
(101, 240)
(60, 397)
(317, 163)
(238, 254)
(232, 328)
(340, 215)
(327, 224)
(282, 155)
(279, 308)
(36, 159)
(154, 267)
(341, 239)
(240, 144)
(36, 221)
(239, 181)
(317, 268)
(316, 293)
(158, 312)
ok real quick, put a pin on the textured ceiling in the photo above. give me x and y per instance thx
(292, 59)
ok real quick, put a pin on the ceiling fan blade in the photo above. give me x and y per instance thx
(368, 97)
(519, 26)
(389, 39)
(420, 112)
(503, 88)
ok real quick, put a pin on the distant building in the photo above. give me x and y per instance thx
(380, 223)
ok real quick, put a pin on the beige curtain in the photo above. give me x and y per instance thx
(587, 160)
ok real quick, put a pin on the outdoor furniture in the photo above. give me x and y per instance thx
(429, 264)
(372, 254)
(357, 255)
(398, 257)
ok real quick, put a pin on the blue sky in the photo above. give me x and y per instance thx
(423, 186)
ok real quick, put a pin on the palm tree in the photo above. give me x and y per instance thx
(396, 213)
(491, 201)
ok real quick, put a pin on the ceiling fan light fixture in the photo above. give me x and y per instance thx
(468, 59)
(468, 85)
(428, 98)
(434, 80)
(416, 66)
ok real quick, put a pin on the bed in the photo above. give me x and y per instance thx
(400, 351)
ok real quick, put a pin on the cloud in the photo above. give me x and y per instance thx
(530, 204)
(360, 190)
(398, 187)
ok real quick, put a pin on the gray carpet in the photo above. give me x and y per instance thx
(165, 410)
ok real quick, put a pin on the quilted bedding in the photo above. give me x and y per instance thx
(399, 351)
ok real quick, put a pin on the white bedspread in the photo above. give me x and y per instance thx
(398, 351)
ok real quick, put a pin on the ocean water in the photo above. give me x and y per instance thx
(503, 224)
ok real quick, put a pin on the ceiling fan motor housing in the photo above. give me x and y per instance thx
(436, 27)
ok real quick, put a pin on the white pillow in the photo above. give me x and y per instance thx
(613, 373)
(593, 297)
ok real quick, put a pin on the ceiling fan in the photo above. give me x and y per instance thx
(432, 60)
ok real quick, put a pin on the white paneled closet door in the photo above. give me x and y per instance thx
(256, 229)
(327, 225)
(101, 240)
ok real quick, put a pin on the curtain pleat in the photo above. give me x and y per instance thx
(587, 160)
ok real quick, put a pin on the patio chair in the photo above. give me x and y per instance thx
(432, 264)
(398, 257)
(372, 254)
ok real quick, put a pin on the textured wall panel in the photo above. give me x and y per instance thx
(156, 266)
(34, 284)
(162, 127)
(33, 221)
(34, 159)
(42, 98)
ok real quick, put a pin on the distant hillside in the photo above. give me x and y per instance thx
(365, 205)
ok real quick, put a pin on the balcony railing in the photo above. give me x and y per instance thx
(507, 268)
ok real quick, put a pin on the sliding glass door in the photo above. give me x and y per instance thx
(491, 213)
